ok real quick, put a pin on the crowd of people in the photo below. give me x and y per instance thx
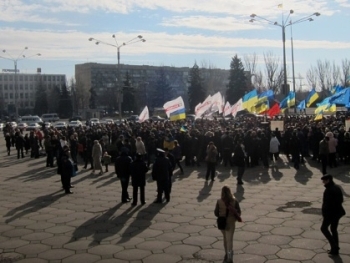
(159, 146)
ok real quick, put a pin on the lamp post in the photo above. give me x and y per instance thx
(139, 38)
(283, 26)
(15, 61)
(304, 19)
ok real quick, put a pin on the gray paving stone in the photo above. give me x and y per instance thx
(56, 254)
(32, 249)
(296, 254)
(161, 258)
(132, 254)
(83, 257)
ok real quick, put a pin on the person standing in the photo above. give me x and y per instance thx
(66, 170)
(239, 157)
(332, 147)
(332, 211)
(212, 153)
(228, 206)
(122, 169)
(49, 151)
(323, 153)
(138, 172)
(8, 143)
(161, 172)
(274, 148)
(97, 156)
(178, 155)
(140, 147)
(20, 145)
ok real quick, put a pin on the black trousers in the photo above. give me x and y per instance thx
(142, 194)
(124, 181)
(49, 158)
(66, 182)
(332, 236)
(163, 187)
(210, 170)
(20, 153)
(324, 158)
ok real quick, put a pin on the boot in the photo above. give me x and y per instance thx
(229, 256)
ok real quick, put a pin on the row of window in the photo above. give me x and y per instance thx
(21, 95)
(22, 86)
(22, 77)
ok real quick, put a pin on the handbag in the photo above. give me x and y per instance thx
(221, 221)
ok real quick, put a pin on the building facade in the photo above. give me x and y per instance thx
(20, 88)
(100, 77)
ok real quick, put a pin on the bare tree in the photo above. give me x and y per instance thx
(346, 72)
(324, 75)
(274, 72)
(83, 95)
(250, 65)
(311, 76)
(335, 74)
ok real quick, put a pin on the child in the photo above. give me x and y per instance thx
(106, 159)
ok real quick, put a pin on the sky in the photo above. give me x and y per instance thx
(178, 33)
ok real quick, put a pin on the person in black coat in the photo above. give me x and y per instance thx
(66, 170)
(8, 143)
(20, 142)
(138, 170)
(332, 211)
(161, 172)
(122, 169)
(239, 159)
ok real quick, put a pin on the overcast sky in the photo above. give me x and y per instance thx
(177, 33)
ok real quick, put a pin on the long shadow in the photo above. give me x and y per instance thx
(336, 259)
(275, 173)
(113, 179)
(108, 224)
(14, 161)
(33, 206)
(204, 193)
(239, 194)
(35, 174)
(303, 175)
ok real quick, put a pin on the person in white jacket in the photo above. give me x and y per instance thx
(274, 147)
(140, 147)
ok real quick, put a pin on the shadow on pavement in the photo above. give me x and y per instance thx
(33, 206)
(204, 193)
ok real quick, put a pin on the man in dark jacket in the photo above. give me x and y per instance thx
(20, 145)
(122, 169)
(161, 172)
(138, 178)
(332, 211)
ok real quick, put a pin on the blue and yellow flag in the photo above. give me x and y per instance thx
(288, 101)
(249, 100)
(319, 116)
(178, 115)
(302, 105)
(311, 97)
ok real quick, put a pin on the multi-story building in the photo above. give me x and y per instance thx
(100, 77)
(20, 88)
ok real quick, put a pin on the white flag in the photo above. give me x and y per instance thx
(216, 103)
(205, 105)
(227, 109)
(173, 105)
(238, 106)
(144, 115)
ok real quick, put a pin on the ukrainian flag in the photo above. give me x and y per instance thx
(302, 105)
(178, 115)
(337, 89)
(262, 107)
(311, 97)
(288, 101)
(249, 100)
(322, 106)
(319, 116)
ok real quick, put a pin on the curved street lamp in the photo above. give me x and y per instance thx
(15, 60)
(283, 25)
(134, 40)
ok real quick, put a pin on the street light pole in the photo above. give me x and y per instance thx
(15, 61)
(283, 25)
(139, 38)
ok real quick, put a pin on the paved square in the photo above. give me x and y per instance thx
(280, 209)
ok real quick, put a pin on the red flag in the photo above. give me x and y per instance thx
(274, 110)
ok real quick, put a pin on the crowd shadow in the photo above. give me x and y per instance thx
(303, 175)
(33, 206)
(275, 173)
(204, 193)
(109, 224)
(239, 194)
(35, 174)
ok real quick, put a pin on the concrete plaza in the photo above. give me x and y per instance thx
(280, 210)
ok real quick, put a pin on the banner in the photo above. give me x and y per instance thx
(144, 115)
(227, 109)
(203, 107)
(216, 103)
(347, 125)
(173, 105)
(277, 124)
(238, 106)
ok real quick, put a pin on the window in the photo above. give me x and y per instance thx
(25, 78)
(21, 77)
(31, 78)
(6, 95)
(21, 86)
(32, 103)
(5, 87)
(26, 95)
(1, 87)
(11, 87)
(31, 86)
(26, 86)
(11, 95)
(49, 78)
(21, 95)
(5, 77)
(0, 77)
(10, 78)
